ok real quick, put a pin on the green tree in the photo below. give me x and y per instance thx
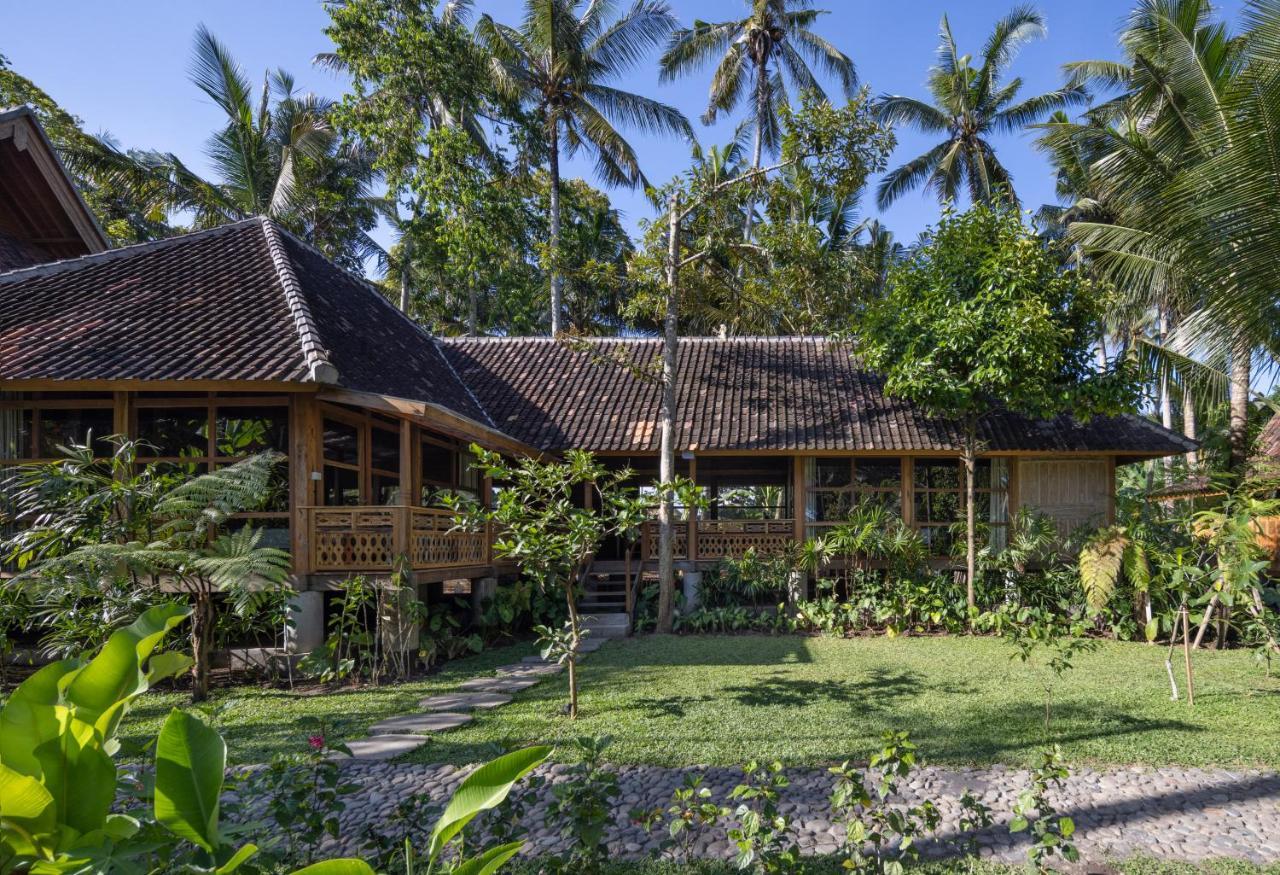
(755, 57)
(982, 318)
(557, 64)
(90, 522)
(415, 71)
(275, 155)
(542, 528)
(968, 106)
(1189, 198)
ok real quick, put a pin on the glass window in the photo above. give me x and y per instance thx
(833, 473)
(174, 431)
(341, 442)
(62, 427)
(15, 434)
(938, 474)
(878, 473)
(341, 486)
(386, 490)
(385, 447)
(468, 474)
(437, 463)
(243, 431)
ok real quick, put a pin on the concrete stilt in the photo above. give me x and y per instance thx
(305, 631)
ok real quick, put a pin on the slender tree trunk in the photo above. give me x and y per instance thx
(406, 260)
(1189, 426)
(201, 643)
(557, 282)
(757, 154)
(1166, 402)
(473, 308)
(1239, 429)
(971, 547)
(571, 598)
(667, 453)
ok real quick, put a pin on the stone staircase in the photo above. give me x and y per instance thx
(603, 606)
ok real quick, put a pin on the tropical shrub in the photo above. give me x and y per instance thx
(761, 837)
(691, 813)
(582, 807)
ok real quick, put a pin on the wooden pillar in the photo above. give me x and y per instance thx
(798, 496)
(1111, 490)
(691, 536)
(408, 483)
(305, 450)
(122, 414)
(908, 491)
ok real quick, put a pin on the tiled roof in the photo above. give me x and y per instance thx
(799, 393)
(245, 301)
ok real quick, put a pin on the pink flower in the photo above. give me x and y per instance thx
(316, 742)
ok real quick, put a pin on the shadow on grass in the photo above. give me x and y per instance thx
(881, 687)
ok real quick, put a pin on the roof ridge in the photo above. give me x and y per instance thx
(377, 293)
(68, 264)
(319, 368)
(542, 338)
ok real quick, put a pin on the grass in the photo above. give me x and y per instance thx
(678, 701)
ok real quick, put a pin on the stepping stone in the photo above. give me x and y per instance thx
(464, 701)
(508, 684)
(382, 747)
(535, 659)
(591, 645)
(525, 669)
(439, 721)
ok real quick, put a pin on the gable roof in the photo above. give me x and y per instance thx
(42, 215)
(763, 394)
(245, 301)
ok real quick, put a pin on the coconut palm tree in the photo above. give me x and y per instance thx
(276, 155)
(558, 63)
(758, 55)
(1195, 204)
(969, 106)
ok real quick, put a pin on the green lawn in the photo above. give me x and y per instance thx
(808, 701)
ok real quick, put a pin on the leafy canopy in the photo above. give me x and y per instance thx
(982, 316)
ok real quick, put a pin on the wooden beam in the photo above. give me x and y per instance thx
(408, 486)
(304, 457)
(46, 385)
(434, 418)
(798, 496)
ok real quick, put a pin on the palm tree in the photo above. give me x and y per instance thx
(275, 155)
(1195, 202)
(969, 106)
(557, 63)
(757, 55)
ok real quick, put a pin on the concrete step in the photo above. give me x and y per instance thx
(464, 701)
(528, 669)
(497, 685)
(613, 625)
(381, 747)
(417, 724)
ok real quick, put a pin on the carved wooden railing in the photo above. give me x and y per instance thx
(355, 539)
(721, 539)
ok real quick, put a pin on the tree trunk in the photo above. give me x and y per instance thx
(473, 308)
(970, 534)
(1239, 430)
(667, 419)
(557, 282)
(757, 153)
(201, 643)
(571, 597)
(406, 259)
(1189, 427)
(1166, 401)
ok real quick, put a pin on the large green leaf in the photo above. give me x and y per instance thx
(490, 861)
(483, 789)
(237, 860)
(26, 803)
(337, 867)
(78, 774)
(29, 719)
(104, 687)
(190, 761)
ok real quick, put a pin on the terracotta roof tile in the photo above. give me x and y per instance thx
(802, 393)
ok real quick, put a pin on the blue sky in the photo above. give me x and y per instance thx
(122, 68)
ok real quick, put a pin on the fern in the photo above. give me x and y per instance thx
(203, 502)
(249, 574)
(1101, 560)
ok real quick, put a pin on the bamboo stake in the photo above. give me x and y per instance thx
(1186, 656)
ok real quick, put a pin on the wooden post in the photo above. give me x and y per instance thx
(798, 496)
(304, 457)
(691, 536)
(1186, 655)
(122, 414)
(408, 485)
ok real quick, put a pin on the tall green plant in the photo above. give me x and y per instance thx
(981, 319)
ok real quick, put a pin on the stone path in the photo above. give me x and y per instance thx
(1168, 813)
(1173, 814)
